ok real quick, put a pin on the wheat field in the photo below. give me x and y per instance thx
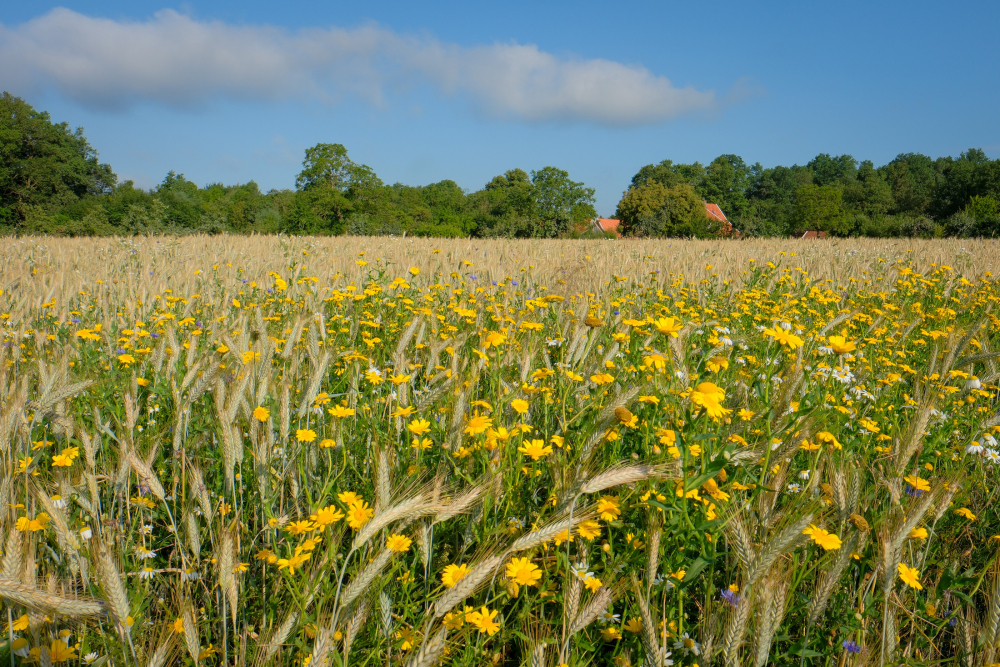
(375, 451)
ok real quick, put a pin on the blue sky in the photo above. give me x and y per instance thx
(233, 91)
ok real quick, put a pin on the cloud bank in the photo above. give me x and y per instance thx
(175, 60)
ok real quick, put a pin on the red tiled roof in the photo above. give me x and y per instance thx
(713, 211)
(609, 225)
(814, 235)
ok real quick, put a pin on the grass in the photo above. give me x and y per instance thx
(365, 451)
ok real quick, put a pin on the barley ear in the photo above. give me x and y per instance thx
(467, 585)
(649, 640)
(430, 653)
(19, 594)
(114, 589)
(363, 579)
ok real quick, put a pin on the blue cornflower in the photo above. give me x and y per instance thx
(851, 647)
(730, 597)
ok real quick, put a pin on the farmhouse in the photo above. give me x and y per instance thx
(610, 225)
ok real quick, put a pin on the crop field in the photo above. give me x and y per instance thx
(373, 451)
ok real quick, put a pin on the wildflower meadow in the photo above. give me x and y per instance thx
(364, 451)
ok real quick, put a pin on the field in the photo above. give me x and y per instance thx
(369, 451)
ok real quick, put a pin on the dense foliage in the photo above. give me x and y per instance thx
(52, 182)
(913, 195)
(223, 457)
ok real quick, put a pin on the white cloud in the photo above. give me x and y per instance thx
(176, 60)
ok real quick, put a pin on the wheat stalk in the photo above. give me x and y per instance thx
(597, 604)
(363, 579)
(547, 532)
(114, 589)
(27, 596)
(412, 508)
(432, 650)
(354, 625)
(467, 585)
(619, 474)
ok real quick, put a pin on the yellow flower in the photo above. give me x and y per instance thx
(602, 378)
(520, 405)
(784, 337)
(964, 511)
(294, 563)
(494, 339)
(609, 508)
(418, 427)
(178, 625)
(126, 359)
(919, 533)
(868, 425)
(536, 449)
(300, 527)
(66, 457)
(917, 483)
(910, 576)
(592, 584)
(261, 413)
(414, 271)
(709, 396)
(589, 529)
(745, 415)
(341, 411)
(26, 525)
(327, 443)
(563, 536)
(359, 514)
(398, 543)
(324, 516)
(828, 439)
(350, 498)
(668, 326)
(822, 537)
(485, 621)
(305, 435)
(142, 382)
(523, 572)
(634, 625)
(717, 363)
(610, 633)
(20, 624)
(840, 345)
(60, 652)
(478, 424)
(453, 574)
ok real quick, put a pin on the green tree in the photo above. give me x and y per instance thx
(329, 185)
(829, 170)
(914, 179)
(869, 194)
(821, 208)
(973, 174)
(325, 165)
(44, 165)
(505, 207)
(560, 203)
(654, 210)
(726, 182)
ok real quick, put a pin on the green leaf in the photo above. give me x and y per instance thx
(699, 564)
(711, 470)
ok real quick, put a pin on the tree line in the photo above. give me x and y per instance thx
(51, 181)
